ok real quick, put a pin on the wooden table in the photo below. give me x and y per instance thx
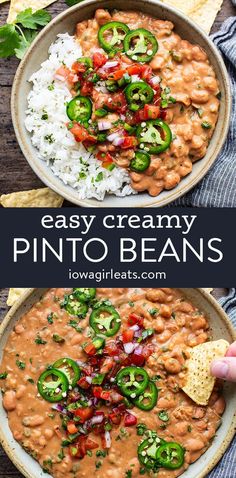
(16, 174)
(7, 469)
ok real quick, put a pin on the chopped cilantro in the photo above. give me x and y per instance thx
(39, 340)
(20, 364)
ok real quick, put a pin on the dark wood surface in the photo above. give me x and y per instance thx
(16, 174)
(7, 469)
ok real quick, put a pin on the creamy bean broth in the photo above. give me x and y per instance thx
(186, 91)
(152, 329)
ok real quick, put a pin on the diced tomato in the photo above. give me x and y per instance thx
(90, 349)
(135, 319)
(151, 112)
(71, 428)
(146, 73)
(115, 418)
(130, 420)
(117, 103)
(87, 88)
(99, 60)
(75, 451)
(90, 444)
(78, 67)
(97, 392)
(107, 365)
(163, 114)
(127, 336)
(134, 69)
(83, 413)
(81, 134)
(129, 142)
(104, 157)
(105, 395)
(137, 359)
(111, 348)
(117, 75)
(82, 382)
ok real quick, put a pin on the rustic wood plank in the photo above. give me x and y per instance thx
(7, 469)
(16, 174)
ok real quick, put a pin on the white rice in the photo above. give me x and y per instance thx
(69, 160)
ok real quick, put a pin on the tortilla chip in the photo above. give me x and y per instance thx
(13, 295)
(205, 15)
(202, 12)
(4, 1)
(44, 197)
(199, 381)
(209, 290)
(18, 6)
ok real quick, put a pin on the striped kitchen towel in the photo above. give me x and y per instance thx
(218, 188)
(227, 466)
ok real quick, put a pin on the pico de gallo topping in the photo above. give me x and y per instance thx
(116, 103)
(101, 392)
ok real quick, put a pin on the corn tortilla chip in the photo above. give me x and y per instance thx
(209, 290)
(199, 382)
(18, 6)
(202, 12)
(44, 197)
(4, 1)
(13, 295)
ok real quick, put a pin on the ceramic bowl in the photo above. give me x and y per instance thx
(220, 328)
(65, 22)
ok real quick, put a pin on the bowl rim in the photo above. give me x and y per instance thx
(56, 184)
(207, 296)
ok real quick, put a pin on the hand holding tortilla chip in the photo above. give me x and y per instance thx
(225, 368)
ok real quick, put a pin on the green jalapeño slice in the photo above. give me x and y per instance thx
(138, 94)
(53, 385)
(140, 162)
(147, 451)
(79, 109)
(140, 45)
(70, 368)
(105, 320)
(148, 399)
(170, 455)
(132, 381)
(84, 295)
(111, 36)
(74, 307)
(154, 136)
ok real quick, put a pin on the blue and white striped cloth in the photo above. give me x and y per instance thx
(218, 188)
(227, 466)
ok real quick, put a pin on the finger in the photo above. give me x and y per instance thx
(225, 368)
(231, 352)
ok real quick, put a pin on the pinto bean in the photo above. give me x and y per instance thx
(198, 323)
(33, 421)
(20, 391)
(182, 428)
(159, 325)
(19, 329)
(48, 433)
(9, 400)
(166, 403)
(156, 295)
(219, 406)
(200, 96)
(165, 311)
(172, 365)
(194, 444)
(102, 16)
(77, 339)
(184, 307)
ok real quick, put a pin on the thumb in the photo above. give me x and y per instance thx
(224, 368)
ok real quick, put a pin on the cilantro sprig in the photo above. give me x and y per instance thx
(16, 37)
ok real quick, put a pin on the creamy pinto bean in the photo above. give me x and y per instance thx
(177, 325)
(187, 74)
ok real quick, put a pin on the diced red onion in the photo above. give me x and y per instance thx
(118, 141)
(138, 350)
(110, 64)
(108, 439)
(129, 348)
(104, 125)
(113, 136)
(89, 379)
(59, 408)
(134, 328)
(96, 419)
(60, 78)
(155, 80)
(122, 117)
